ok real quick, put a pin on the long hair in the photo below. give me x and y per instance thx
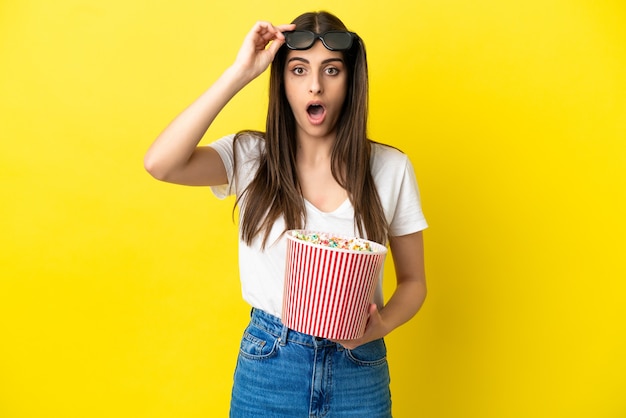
(275, 190)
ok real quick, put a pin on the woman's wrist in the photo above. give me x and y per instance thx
(238, 76)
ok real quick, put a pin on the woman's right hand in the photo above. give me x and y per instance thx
(255, 56)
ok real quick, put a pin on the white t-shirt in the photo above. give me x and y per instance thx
(262, 272)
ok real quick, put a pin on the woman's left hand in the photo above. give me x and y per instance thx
(407, 299)
(374, 330)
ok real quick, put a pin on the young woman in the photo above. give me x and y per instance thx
(312, 168)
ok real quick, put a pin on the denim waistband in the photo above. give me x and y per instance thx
(274, 326)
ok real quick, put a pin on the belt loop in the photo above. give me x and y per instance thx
(283, 335)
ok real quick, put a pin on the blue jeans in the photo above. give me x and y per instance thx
(284, 373)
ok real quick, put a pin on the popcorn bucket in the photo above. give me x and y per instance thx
(328, 287)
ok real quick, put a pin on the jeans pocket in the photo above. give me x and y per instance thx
(373, 353)
(257, 344)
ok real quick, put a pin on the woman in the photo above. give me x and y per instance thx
(312, 168)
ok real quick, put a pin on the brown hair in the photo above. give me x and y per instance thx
(275, 189)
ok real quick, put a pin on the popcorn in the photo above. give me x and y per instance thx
(332, 241)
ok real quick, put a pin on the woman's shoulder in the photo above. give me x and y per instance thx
(383, 154)
(247, 145)
(249, 139)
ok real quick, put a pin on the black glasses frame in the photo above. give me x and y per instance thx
(328, 39)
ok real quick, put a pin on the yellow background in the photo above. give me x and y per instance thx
(119, 295)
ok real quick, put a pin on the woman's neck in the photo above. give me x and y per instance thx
(313, 151)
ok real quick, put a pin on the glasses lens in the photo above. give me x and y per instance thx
(299, 39)
(338, 40)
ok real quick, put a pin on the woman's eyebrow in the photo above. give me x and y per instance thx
(306, 61)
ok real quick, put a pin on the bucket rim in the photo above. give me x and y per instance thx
(379, 249)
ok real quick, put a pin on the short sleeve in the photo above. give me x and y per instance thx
(224, 147)
(248, 150)
(408, 216)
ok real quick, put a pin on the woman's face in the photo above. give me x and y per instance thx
(316, 85)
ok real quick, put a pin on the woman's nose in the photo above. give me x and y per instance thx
(316, 85)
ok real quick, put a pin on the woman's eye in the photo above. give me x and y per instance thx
(298, 71)
(332, 71)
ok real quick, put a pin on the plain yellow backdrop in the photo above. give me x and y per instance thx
(119, 295)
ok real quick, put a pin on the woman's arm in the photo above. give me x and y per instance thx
(175, 156)
(409, 295)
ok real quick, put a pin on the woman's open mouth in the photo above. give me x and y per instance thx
(316, 113)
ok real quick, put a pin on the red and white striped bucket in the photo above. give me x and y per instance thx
(328, 290)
